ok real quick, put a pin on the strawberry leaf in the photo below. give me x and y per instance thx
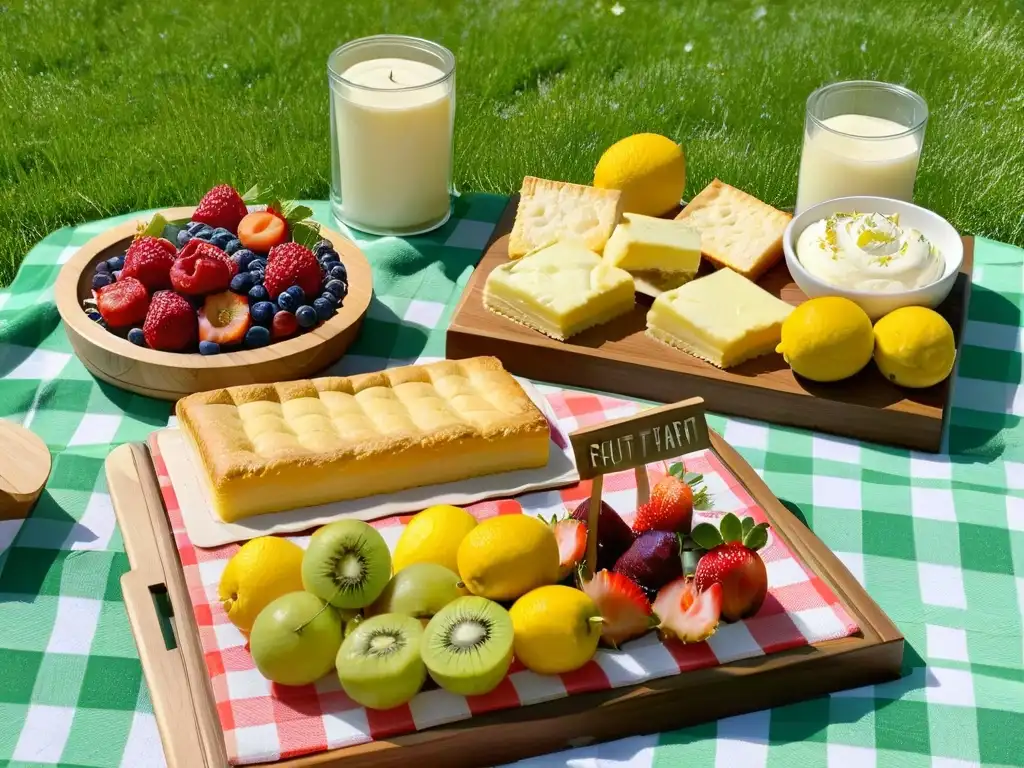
(677, 470)
(693, 478)
(306, 233)
(702, 499)
(748, 523)
(257, 195)
(732, 529)
(757, 537)
(706, 536)
(298, 213)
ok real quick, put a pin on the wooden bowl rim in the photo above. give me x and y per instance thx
(69, 305)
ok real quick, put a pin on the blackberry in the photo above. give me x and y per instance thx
(101, 279)
(324, 309)
(233, 246)
(258, 293)
(137, 337)
(257, 336)
(243, 258)
(208, 347)
(262, 312)
(242, 282)
(306, 316)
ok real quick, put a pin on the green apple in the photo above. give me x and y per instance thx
(295, 639)
(419, 590)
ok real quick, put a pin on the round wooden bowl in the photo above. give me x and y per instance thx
(171, 375)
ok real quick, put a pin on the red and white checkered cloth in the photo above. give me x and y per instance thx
(263, 722)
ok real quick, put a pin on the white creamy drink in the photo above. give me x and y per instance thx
(869, 252)
(849, 155)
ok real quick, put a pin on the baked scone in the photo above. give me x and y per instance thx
(275, 447)
(552, 211)
(736, 229)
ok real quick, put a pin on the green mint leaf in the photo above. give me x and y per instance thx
(156, 225)
(677, 469)
(257, 195)
(299, 213)
(706, 536)
(757, 537)
(306, 233)
(732, 529)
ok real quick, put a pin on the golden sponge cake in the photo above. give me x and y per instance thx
(274, 447)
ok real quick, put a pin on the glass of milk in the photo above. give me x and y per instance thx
(861, 138)
(392, 117)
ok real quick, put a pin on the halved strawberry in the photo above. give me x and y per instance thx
(224, 318)
(686, 614)
(624, 607)
(571, 536)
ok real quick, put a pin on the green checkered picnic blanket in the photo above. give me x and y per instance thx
(936, 540)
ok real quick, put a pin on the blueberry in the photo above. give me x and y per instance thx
(194, 226)
(221, 238)
(242, 282)
(262, 312)
(257, 277)
(322, 247)
(93, 315)
(102, 267)
(339, 272)
(257, 265)
(336, 287)
(297, 293)
(204, 233)
(136, 336)
(258, 293)
(257, 336)
(233, 245)
(117, 275)
(243, 257)
(208, 347)
(324, 308)
(306, 316)
(101, 279)
(331, 298)
(330, 261)
(116, 264)
(183, 237)
(288, 301)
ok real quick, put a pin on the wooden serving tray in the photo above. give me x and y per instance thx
(171, 375)
(163, 623)
(618, 357)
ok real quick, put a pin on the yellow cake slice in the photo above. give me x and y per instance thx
(661, 252)
(723, 318)
(273, 447)
(559, 290)
(551, 211)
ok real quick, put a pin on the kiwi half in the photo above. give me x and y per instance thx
(347, 563)
(467, 646)
(379, 664)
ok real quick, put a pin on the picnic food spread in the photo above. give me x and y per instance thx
(228, 279)
(869, 252)
(268, 448)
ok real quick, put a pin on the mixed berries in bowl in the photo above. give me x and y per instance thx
(230, 278)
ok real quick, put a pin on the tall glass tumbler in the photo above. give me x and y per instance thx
(861, 138)
(392, 119)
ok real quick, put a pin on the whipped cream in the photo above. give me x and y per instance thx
(869, 252)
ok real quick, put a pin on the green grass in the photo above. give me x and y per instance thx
(112, 106)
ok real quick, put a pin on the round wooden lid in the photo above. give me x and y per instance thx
(24, 468)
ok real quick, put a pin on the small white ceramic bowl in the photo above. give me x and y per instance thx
(938, 231)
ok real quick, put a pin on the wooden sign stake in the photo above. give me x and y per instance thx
(633, 442)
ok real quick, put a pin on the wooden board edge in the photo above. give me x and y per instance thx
(191, 736)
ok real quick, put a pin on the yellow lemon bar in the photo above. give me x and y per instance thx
(643, 244)
(723, 318)
(559, 290)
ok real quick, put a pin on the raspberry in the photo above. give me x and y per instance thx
(291, 264)
(123, 303)
(170, 323)
(149, 261)
(222, 206)
(202, 268)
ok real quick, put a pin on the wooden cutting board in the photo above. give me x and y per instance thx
(618, 357)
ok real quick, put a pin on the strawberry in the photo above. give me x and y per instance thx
(652, 560)
(291, 264)
(170, 322)
(571, 536)
(222, 206)
(123, 303)
(202, 268)
(613, 535)
(149, 261)
(686, 614)
(224, 318)
(623, 605)
(732, 561)
(671, 504)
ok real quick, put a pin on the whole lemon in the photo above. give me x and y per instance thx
(507, 556)
(914, 347)
(261, 571)
(556, 629)
(648, 168)
(433, 536)
(827, 339)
